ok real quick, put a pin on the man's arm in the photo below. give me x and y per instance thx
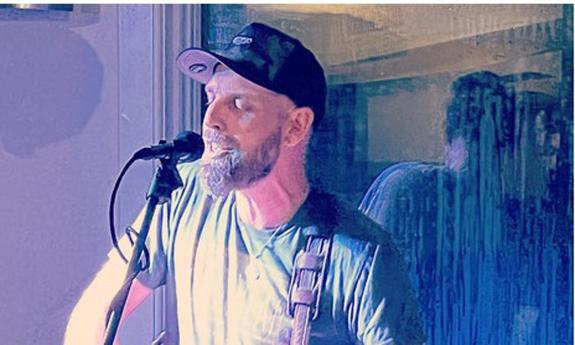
(387, 308)
(86, 325)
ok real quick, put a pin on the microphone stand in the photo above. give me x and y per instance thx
(165, 181)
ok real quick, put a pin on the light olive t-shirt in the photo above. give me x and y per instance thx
(227, 283)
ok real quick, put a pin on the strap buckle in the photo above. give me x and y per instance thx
(308, 276)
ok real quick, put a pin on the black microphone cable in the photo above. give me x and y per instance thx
(129, 230)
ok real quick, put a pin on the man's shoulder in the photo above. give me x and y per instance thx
(350, 227)
(355, 227)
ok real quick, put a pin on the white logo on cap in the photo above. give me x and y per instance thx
(240, 40)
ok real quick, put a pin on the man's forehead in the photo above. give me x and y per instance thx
(224, 79)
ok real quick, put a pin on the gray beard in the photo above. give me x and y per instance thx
(236, 169)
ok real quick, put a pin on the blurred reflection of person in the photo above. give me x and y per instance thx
(466, 227)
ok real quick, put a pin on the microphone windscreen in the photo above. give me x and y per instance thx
(189, 146)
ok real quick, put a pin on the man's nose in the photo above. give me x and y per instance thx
(214, 116)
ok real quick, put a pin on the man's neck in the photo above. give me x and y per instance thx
(275, 199)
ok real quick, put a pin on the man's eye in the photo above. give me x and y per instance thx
(238, 103)
(210, 97)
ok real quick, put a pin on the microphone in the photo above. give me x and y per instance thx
(187, 146)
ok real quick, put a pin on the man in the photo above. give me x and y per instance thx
(225, 245)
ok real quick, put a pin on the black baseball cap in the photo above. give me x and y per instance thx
(268, 58)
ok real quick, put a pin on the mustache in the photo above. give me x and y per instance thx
(214, 136)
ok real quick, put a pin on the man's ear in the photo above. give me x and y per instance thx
(298, 124)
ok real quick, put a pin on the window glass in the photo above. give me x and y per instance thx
(476, 102)
(390, 69)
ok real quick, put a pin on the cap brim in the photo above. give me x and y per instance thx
(199, 64)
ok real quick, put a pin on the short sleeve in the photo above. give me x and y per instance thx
(387, 310)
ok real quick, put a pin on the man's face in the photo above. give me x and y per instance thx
(242, 132)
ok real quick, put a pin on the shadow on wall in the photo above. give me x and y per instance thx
(50, 85)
